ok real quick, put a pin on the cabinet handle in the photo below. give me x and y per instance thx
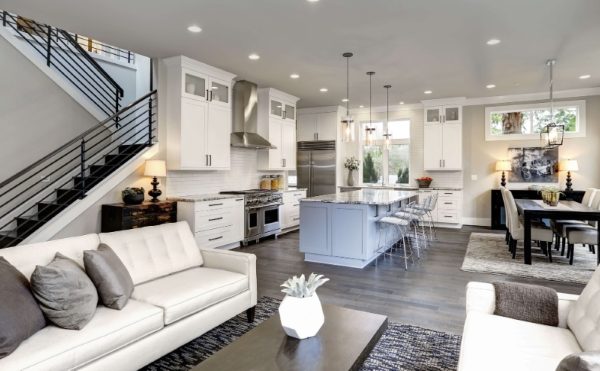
(444, 161)
(206, 156)
(296, 219)
(206, 94)
(239, 199)
(297, 194)
(215, 219)
(219, 204)
(214, 239)
(440, 163)
(294, 205)
(447, 203)
(209, 160)
(284, 162)
(283, 114)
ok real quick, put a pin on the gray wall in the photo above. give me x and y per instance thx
(36, 115)
(479, 157)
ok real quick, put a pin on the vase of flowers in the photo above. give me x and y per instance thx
(352, 165)
(424, 182)
(551, 195)
(300, 311)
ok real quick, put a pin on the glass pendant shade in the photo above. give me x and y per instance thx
(347, 121)
(387, 135)
(370, 130)
(552, 135)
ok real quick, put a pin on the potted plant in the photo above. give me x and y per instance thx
(300, 310)
(133, 195)
(351, 164)
(424, 181)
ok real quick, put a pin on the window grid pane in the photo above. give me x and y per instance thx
(399, 164)
(372, 164)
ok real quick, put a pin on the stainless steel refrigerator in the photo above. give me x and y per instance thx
(316, 167)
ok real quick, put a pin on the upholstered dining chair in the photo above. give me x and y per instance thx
(586, 234)
(561, 228)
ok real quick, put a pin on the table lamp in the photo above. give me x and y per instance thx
(155, 169)
(503, 165)
(568, 166)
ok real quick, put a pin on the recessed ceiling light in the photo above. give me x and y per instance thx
(345, 100)
(254, 56)
(427, 92)
(490, 86)
(402, 102)
(323, 90)
(194, 29)
(493, 42)
(361, 106)
(312, 1)
(294, 76)
(584, 77)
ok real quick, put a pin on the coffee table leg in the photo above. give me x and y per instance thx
(527, 239)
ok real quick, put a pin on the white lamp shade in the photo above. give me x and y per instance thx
(568, 165)
(155, 168)
(503, 165)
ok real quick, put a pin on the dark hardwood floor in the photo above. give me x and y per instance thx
(430, 294)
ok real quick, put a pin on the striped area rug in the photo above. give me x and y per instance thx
(402, 347)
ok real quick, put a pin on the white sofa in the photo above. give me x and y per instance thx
(181, 292)
(492, 342)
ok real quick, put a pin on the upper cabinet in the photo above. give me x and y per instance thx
(317, 126)
(198, 106)
(277, 122)
(443, 138)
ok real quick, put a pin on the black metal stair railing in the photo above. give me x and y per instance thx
(42, 190)
(65, 55)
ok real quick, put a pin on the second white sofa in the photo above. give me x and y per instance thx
(180, 293)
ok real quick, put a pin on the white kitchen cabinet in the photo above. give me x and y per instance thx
(198, 111)
(290, 210)
(317, 126)
(215, 223)
(448, 210)
(443, 138)
(277, 122)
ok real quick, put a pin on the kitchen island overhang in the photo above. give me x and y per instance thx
(342, 229)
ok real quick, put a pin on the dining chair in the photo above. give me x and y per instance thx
(503, 191)
(561, 227)
(585, 233)
(539, 232)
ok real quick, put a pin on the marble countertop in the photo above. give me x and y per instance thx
(200, 198)
(364, 197)
(403, 188)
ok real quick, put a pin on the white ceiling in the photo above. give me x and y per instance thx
(414, 45)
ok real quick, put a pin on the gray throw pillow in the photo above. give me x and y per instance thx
(65, 293)
(586, 361)
(110, 276)
(20, 315)
(531, 303)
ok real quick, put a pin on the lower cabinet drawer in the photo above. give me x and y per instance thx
(216, 237)
(445, 203)
(448, 217)
(206, 220)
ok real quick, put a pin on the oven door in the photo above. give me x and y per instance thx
(271, 220)
(254, 224)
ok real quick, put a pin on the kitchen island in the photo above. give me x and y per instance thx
(341, 228)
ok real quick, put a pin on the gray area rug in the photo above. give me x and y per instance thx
(402, 347)
(488, 253)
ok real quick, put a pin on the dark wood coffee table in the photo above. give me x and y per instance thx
(343, 343)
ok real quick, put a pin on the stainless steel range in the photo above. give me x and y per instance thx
(262, 213)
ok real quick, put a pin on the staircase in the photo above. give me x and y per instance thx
(63, 53)
(41, 191)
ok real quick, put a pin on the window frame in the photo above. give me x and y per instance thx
(385, 152)
(580, 120)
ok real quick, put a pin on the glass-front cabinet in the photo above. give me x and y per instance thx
(219, 92)
(290, 112)
(433, 115)
(443, 115)
(452, 115)
(277, 108)
(194, 85)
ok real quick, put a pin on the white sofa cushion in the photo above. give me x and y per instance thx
(184, 293)
(153, 252)
(54, 348)
(497, 343)
(26, 257)
(584, 316)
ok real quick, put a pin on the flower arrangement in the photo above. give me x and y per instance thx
(424, 181)
(299, 287)
(551, 195)
(352, 163)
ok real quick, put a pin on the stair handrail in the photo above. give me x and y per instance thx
(90, 59)
(76, 139)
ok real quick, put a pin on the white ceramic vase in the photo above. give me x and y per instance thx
(350, 179)
(301, 318)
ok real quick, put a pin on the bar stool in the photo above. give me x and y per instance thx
(415, 217)
(399, 228)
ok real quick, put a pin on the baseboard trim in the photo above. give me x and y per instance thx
(483, 222)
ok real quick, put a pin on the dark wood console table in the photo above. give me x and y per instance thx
(117, 217)
(498, 216)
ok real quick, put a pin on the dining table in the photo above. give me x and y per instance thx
(565, 210)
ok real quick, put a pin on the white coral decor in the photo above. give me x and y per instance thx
(300, 311)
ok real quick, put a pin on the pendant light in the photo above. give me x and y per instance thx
(347, 121)
(387, 135)
(370, 130)
(552, 135)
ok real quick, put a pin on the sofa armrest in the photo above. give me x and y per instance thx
(481, 297)
(233, 261)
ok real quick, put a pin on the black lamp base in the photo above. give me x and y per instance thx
(569, 183)
(503, 180)
(154, 192)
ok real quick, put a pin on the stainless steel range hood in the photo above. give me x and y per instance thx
(245, 117)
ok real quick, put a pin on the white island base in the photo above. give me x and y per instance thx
(342, 229)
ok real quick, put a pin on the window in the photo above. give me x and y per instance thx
(526, 121)
(380, 163)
